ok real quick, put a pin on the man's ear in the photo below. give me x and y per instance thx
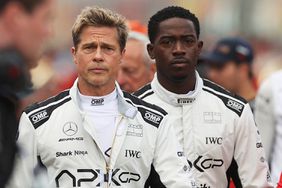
(200, 46)
(123, 52)
(73, 52)
(150, 49)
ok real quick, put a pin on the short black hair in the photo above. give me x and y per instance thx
(170, 12)
(28, 5)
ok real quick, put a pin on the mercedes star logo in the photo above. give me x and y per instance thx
(70, 129)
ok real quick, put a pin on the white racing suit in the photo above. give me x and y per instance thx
(268, 115)
(217, 132)
(57, 134)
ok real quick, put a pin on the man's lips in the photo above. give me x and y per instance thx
(179, 62)
(97, 70)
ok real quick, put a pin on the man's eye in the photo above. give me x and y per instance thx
(108, 50)
(89, 47)
(189, 41)
(167, 42)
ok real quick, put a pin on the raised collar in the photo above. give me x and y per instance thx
(124, 107)
(177, 99)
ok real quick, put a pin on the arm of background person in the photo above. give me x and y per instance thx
(264, 116)
(26, 160)
(8, 130)
(249, 153)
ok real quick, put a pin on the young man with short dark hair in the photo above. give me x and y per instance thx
(215, 128)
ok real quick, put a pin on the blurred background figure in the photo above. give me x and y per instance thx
(230, 65)
(24, 28)
(136, 68)
(268, 115)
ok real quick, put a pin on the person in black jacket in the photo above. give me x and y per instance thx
(24, 26)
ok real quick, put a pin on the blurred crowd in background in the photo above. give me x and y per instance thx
(259, 22)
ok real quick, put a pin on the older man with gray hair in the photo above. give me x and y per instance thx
(136, 68)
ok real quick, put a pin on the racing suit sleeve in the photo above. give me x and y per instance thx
(26, 160)
(264, 116)
(249, 153)
(169, 160)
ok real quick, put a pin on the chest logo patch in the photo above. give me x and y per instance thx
(97, 102)
(185, 100)
(70, 129)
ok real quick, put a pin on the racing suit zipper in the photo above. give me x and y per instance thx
(108, 177)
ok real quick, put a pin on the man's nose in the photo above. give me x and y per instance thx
(179, 48)
(98, 55)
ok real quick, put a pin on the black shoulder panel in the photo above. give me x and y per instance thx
(228, 98)
(47, 101)
(144, 108)
(143, 90)
(218, 88)
(48, 106)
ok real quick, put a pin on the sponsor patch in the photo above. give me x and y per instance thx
(70, 128)
(132, 153)
(71, 153)
(135, 130)
(259, 145)
(212, 117)
(185, 100)
(97, 102)
(152, 117)
(37, 117)
(214, 140)
(235, 105)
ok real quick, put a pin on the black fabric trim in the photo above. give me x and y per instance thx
(220, 89)
(232, 173)
(40, 167)
(138, 101)
(47, 101)
(40, 163)
(229, 101)
(154, 180)
(142, 90)
(39, 117)
(150, 117)
(226, 100)
(148, 94)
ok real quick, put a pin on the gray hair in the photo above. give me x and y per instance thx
(132, 35)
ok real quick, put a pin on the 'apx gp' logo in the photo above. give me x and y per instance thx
(70, 128)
